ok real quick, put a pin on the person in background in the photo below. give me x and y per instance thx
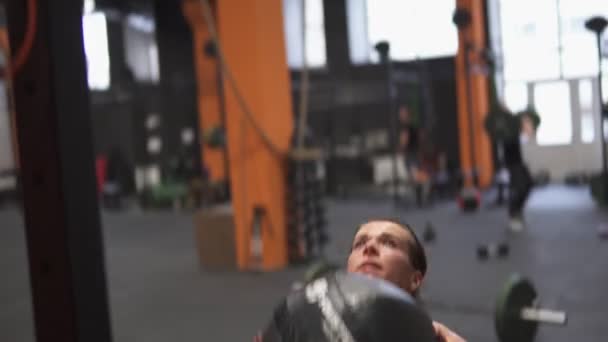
(520, 179)
(409, 143)
(408, 138)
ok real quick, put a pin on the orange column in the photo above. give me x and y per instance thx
(251, 33)
(252, 39)
(208, 89)
(474, 34)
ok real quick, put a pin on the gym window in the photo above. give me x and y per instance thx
(95, 37)
(547, 39)
(552, 101)
(141, 50)
(414, 29)
(605, 83)
(316, 54)
(585, 101)
(516, 96)
(88, 6)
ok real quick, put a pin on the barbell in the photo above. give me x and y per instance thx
(517, 313)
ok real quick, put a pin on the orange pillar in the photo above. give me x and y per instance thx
(475, 35)
(208, 89)
(252, 39)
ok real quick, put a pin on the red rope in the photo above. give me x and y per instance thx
(24, 50)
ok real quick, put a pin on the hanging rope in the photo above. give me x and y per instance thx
(209, 20)
(24, 50)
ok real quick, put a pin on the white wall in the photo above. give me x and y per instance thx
(560, 160)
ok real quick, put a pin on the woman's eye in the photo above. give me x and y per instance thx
(358, 244)
(390, 243)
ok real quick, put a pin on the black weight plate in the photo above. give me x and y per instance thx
(517, 293)
(501, 125)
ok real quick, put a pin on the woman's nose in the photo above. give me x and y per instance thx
(370, 248)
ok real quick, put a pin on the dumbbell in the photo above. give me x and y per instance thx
(469, 199)
(429, 235)
(500, 250)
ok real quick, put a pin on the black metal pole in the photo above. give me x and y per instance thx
(394, 129)
(383, 49)
(62, 224)
(602, 114)
(597, 25)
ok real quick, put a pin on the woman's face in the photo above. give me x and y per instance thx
(381, 249)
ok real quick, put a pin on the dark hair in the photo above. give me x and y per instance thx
(416, 251)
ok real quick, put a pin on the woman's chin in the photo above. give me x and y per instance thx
(371, 272)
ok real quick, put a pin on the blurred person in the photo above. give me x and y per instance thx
(410, 137)
(520, 179)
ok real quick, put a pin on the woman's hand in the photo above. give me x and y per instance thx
(443, 333)
(446, 335)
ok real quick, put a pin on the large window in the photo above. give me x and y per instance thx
(530, 40)
(516, 96)
(315, 33)
(414, 29)
(552, 101)
(585, 101)
(88, 6)
(605, 82)
(95, 35)
(547, 39)
(141, 50)
(579, 54)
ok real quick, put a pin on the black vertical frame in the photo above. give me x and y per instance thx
(64, 240)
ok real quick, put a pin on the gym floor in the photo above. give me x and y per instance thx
(158, 293)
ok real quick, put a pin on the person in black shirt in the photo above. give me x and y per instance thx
(410, 143)
(520, 179)
(408, 138)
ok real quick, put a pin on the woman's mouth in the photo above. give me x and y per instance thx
(369, 267)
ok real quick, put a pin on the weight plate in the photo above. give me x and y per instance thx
(319, 269)
(501, 125)
(517, 293)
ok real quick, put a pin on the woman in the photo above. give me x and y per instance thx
(390, 250)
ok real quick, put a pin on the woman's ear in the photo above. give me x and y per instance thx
(415, 281)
